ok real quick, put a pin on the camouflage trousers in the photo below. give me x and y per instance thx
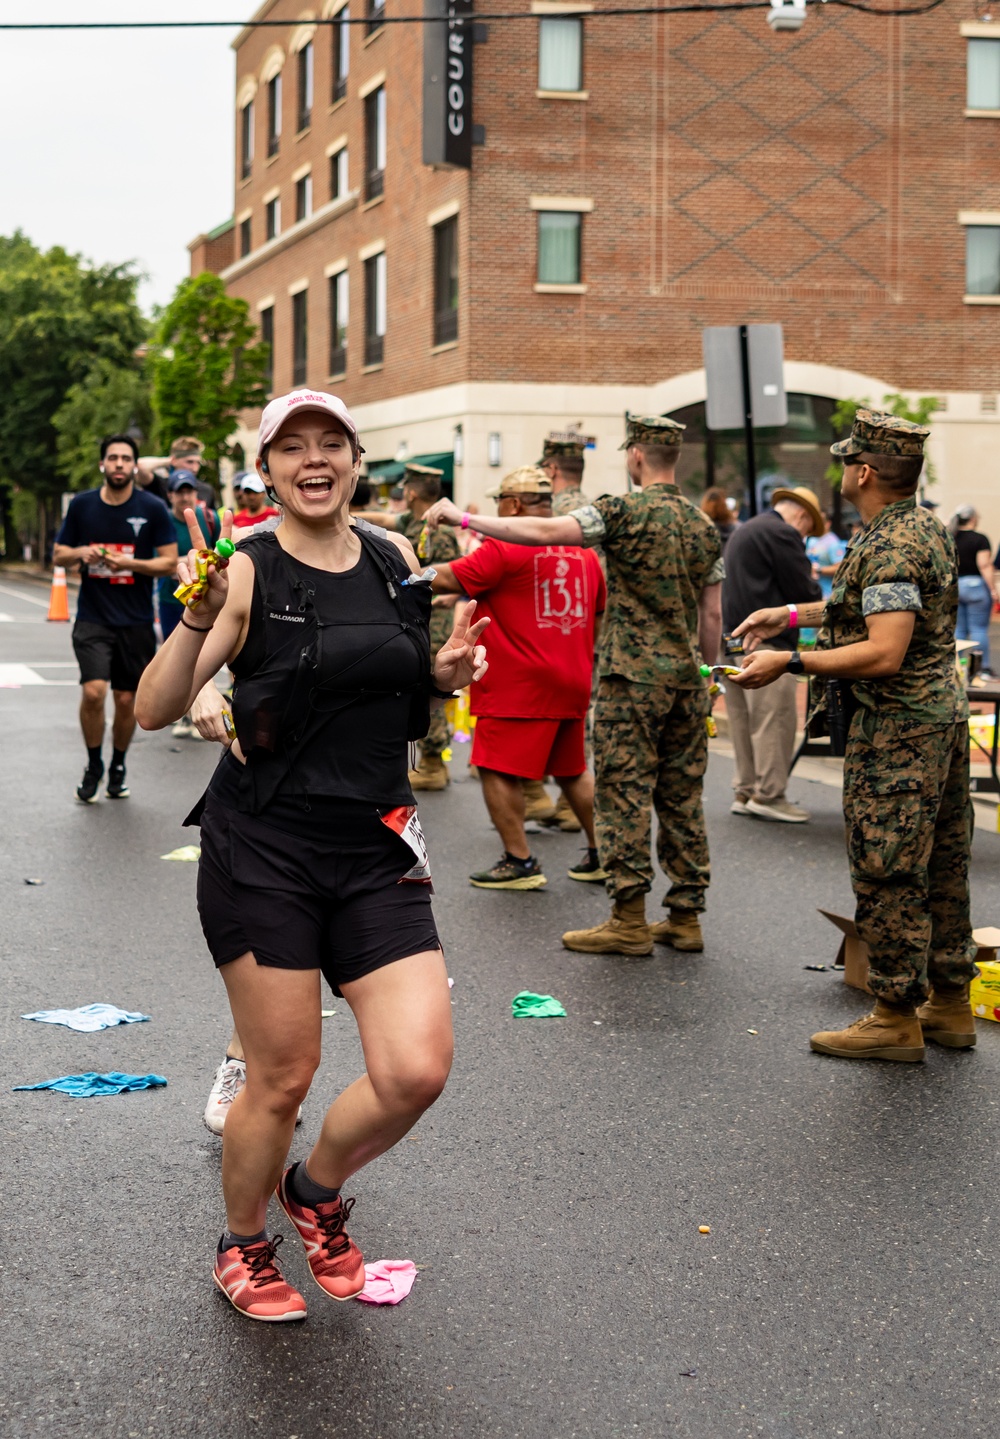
(909, 834)
(438, 736)
(650, 751)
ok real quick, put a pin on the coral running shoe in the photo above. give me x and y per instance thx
(249, 1277)
(335, 1260)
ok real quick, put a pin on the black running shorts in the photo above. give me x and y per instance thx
(332, 902)
(118, 654)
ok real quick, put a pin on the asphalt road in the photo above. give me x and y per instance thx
(554, 1195)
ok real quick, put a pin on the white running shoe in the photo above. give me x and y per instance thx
(230, 1078)
(182, 729)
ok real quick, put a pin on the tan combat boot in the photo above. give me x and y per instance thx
(564, 818)
(430, 773)
(538, 803)
(681, 931)
(626, 932)
(883, 1034)
(947, 1018)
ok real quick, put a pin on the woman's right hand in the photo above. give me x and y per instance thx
(214, 598)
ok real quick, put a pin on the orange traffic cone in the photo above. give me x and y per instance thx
(59, 598)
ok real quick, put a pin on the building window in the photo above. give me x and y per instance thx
(376, 14)
(246, 140)
(300, 337)
(273, 115)
(245, 237)
(446, 281)
(983, 74)
(982, 259)
(560, 54)
(375, 309)
(267, 338)
(559, 247)
(375, 147)
(338, 174)
(305, 65)
(339, 314)
(341, 53)
(272, 219)
(303, 197)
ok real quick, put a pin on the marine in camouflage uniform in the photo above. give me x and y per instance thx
(906, 767)
(558, 448)
(906, 770)
(650, 739)
(438, 546)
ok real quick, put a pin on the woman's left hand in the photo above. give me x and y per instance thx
(460, 660)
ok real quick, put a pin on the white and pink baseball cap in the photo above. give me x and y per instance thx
(281, 409)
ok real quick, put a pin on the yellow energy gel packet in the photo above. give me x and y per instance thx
(192, 594)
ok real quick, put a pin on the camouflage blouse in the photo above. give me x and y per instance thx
(441, 547)
(566, 501)
(660, 553)
(904, 559)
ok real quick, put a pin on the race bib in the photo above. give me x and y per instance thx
(105, 572)
(404, 822)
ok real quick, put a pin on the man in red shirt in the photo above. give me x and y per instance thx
(251, 498)
(531, 705)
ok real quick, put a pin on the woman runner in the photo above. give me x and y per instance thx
(312, 858)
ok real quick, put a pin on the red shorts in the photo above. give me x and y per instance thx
(531, 748)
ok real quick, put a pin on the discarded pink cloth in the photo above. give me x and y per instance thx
(388, 1281)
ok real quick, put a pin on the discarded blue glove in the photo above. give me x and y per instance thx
(88, 1018)
(536, 1006)
(85, 1086)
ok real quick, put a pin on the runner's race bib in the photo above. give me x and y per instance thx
(404, 822)
(105, 572)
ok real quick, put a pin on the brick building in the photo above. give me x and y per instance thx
(633, 180)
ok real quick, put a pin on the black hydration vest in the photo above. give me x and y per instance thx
(275, 707)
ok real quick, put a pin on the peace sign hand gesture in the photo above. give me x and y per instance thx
(213, 598)
(460, 660)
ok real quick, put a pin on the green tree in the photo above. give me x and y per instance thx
(843, 418)
(204, 368)
(110, 399)
(58, 316)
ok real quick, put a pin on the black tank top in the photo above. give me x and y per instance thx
(325, 684)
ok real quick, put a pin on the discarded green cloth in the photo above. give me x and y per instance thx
(186, 851)
(536, 1006)
(85, 1086)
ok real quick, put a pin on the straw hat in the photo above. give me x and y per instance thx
(802, 495)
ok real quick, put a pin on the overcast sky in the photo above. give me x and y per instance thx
(119, 144)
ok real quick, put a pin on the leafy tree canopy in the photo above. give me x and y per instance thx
(59, 316)
(110, 399)
(205, 369)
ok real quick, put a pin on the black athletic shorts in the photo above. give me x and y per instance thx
(119, 655)
(332, 902)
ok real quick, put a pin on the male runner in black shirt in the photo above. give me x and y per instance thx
(122, 539)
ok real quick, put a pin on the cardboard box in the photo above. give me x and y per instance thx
(853, 955)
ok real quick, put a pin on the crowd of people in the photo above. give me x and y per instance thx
(580, 626)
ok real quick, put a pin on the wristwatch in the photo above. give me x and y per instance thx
(795, 665)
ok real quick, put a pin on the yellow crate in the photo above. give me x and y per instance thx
(984, 991)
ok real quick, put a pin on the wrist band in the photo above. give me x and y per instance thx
(440, 694)
(198, 629)
(465, 520)
(793, 617)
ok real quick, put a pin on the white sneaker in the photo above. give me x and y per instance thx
(777, 809)
(182, 730)
(739, 804)
(230, 1078)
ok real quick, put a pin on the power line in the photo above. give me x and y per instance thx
(693, 7)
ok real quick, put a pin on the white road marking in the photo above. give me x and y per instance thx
(16, 677)
(6, 619)
(19, 595)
